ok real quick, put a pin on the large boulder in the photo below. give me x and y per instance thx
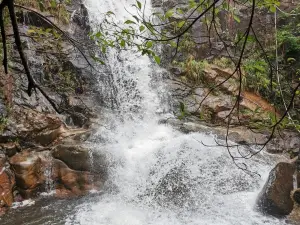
(274, 198)
(39, 172)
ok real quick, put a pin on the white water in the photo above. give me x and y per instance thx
(157, 175)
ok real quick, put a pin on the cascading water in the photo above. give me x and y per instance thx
(158, 175)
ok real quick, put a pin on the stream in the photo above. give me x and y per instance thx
(156, 174)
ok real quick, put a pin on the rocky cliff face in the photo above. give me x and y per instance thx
(40, 150)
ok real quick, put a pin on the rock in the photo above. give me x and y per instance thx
(296, 196)
(76, 157)
(35, 170)
(71, 182)
(38, 127)
(274, 198)
(78, 119)
(28, 167)
(81, 17)
(32, 19)
(79, 158)
(294, 216)
(10, 148)
(7, 183)
(3, 111)
(173, 188)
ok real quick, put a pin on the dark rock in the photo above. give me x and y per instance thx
(296, 196)
(177, 71)
(173, 188)
(77, 119)
(81, 18)
(274, 198)
(32, 19)
(10, 148)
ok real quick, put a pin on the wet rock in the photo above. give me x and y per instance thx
(274, 198)
(81, 17)
(173, 188)
(70, 182)
(76, 157)
(35, 170)
(78, 119)
(32, 19)
(79, 158)
(7, 183)
(294, 216)
(287, 141)
(28, 167)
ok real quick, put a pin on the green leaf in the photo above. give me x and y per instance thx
(149, 44)
(129, 22)
(173, 44)
(136, 18)
(53, 3)
(157, 59)
(169, 13)
(272, 8)
(139, 4)
(98, 34)
(236, 18)
(142, 28)
(41, 6)
(122, 43)
(181, 24)
(179, 11)
(192, 4)
(110, 13)
(97, 59)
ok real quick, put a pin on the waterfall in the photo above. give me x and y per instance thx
(158, 175)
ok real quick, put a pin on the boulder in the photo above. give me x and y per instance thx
(7, 183)
(28, 167)
(294, 216)
(79, 158)
(274, 198)
(36, 170)
(70, 183)
(76, 157)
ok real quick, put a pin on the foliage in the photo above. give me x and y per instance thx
(54, 7)
(3, 123)
(256, 77)
(194, 70)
